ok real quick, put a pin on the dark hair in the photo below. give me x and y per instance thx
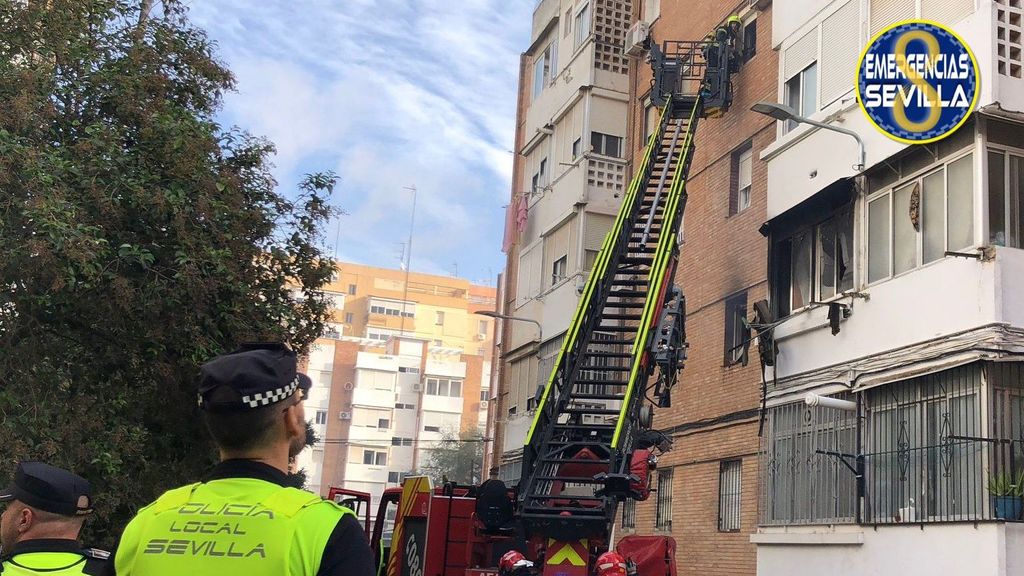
(241, 430)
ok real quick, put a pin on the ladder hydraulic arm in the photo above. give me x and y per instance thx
(596, 408)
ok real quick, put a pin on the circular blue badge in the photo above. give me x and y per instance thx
(917, 81)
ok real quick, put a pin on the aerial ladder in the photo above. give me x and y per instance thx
(591, 444)
(626, 343)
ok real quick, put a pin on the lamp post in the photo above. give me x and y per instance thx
(783, 112)
(540, 330)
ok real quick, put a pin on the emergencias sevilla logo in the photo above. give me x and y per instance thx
(917, 81)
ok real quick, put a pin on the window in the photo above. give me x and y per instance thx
(431, 428)
(800, 484)
(396, 477)
(397, 441)
(352, 289)
(749, 40)
(513, 410)
(577, 146)
(567, 26)
(349, 317)
(652, 9)
(559, 269)
(485, 395)
(438, 343)
(736, 332)
(375, 458)
(628, 513)
(1005, 198)
(802, 93)
(663, 512)
(922, 464)
(408, 370)
(812, 259)
(439, 318)
(589, 257)
(321, 417)
(582, 26)
(402, 406)
(383, 423)
(729, 495)
(742, 168)
(393, 309)
(606, 145)
(539, 180)
(444, 387)
(651, 116)
(545, 68)
(481, 327)
(917, 221)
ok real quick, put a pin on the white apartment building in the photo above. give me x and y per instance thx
(399, 411)
(922, 257)
(569, 176)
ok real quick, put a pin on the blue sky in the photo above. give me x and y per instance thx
(387, 93)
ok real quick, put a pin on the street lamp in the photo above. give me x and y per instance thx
(540, 338)
(784, 113)
(489, 314)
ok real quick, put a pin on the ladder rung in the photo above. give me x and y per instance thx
(597, 397)
(620, 317)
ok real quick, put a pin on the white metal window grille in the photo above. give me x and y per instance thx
(799, 483)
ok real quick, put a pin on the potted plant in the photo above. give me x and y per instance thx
(1006, 491)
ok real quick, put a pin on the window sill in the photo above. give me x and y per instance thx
(808, 538)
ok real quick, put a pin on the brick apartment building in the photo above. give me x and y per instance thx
(707, 485)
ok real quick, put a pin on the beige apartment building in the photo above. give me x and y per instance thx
(405, 362)
(569, 175)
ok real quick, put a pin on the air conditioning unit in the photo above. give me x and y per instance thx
(344, 415)
(349, 386)
(483, 403)
(481, 336)
(636, 38)
(417, 387)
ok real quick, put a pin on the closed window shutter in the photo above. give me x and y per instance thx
(946, 12)
(885, 12)
(597, 227)
(528, 277)
(556, 245)
(839, 51)
(801, 54)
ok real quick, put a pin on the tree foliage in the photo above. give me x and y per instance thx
(457, 458)
(138, 238)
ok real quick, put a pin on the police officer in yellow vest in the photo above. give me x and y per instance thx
(46, 507)
(243, 519)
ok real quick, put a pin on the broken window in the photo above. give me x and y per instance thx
(812, 250)
(736, 331)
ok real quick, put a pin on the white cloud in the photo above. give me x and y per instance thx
(387, 93)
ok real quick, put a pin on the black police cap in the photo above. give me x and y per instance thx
(256, 375)
(50, 489)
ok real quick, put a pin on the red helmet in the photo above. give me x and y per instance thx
(611, 564)
(511, 561)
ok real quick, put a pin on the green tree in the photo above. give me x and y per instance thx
(457, 458)
(138, 238)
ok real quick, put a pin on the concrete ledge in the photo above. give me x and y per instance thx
(809, 538)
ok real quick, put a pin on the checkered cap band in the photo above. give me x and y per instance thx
(271, 396)
(266, 398)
